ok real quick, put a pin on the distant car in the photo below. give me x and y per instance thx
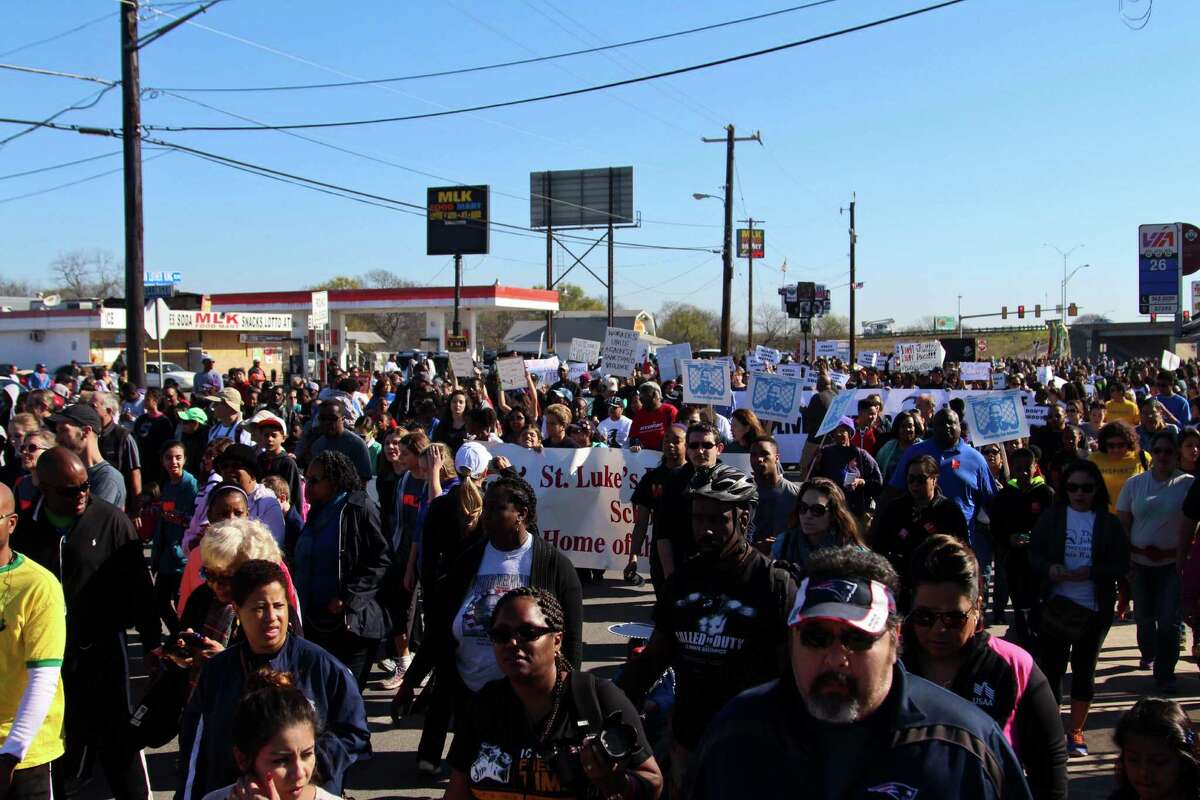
(170, 370)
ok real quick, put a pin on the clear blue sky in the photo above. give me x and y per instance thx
(971, 136)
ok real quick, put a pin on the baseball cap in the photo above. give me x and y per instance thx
(193, 415)
(265, 417)
(565, 394)
(206, 357)
(230, 397)
(616, 401)
(859, 603)
(242, 456)
(80, 414)
(473, 457)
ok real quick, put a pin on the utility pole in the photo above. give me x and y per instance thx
(131, 136)
(853, 241)
(458, 294)
(727, 283)
(750, 282)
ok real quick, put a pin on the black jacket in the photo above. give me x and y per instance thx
(900, 528)
(1110, 554)
(551, 570)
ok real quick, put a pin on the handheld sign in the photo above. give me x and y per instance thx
(512, 372)
(774, 397)
(669, 358)
(705, 382)
(840, 406)
(585, 350)
(620, 351)
(995, 417)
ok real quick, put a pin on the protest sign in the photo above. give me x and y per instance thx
(797, 371)
(1036, 415)
(585, 350)
(768, 354)
(705, 382)
(774, 397)
(755, 364)
(1000, 380)
(833, 348)
(668, 359)
(1170, 360)
(512, 373)
(584, 498)
(463, 365)
(868, 359)
(898, 400)
(975, 370)
(843, 404)
(994, 417)
(546, 369)
(620, 351)
(919, 356)
(1045, 375)
(838, 380)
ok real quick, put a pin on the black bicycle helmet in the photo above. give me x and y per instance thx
(725, 484)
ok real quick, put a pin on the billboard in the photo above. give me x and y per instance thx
(751, 243)
(581, 198)
(456, 221)
(1158, 268)
(944, 323)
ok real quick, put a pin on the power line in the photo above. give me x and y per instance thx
(504, 64)
(59, 166)
(51, 73)
(48, 122)
(75, 182)
(58, 36)
(569, 92)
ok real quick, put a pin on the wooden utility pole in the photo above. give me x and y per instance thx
(853, 241)
(131, 134)
(727, 283)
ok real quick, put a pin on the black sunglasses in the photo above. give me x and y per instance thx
(814, 637)
(916, 480)
(212, 576)
(816, 509)
(78, 489)
(1085, 488)
(523, 633)
(951, 620)
(701, 445)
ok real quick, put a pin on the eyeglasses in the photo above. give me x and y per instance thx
(701, 445)
(917, 480)
(9, 514)
(926, 617)
(32, 448)
(82, 488)
(523, 633)
(816, 509)
(814, 637)
(1084, 488)
(212, 576)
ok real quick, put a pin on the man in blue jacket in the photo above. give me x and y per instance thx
(849, 722)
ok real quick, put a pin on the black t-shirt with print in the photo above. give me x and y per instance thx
(729, 628)
(497, 748)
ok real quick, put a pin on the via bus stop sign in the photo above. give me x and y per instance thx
(1158, 268)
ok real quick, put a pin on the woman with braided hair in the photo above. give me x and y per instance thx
(533, 732)
(508, 554)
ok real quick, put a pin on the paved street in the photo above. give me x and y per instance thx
(392, 772)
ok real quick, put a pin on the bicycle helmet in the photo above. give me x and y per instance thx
(724, 484)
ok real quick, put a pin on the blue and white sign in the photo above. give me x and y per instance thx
(994, 417)
(706, 382)
(162, 278)
(1158, 268)
(669, 358)
(843, 404)
(774, 397)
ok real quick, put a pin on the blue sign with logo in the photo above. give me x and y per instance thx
(1158, 269)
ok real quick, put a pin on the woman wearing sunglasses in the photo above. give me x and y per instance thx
(533, 732)
(1078, 552)
(945, 642)
(819, 520)
(1150, 510)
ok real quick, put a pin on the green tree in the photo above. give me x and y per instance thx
(683, 322)
(339, 282)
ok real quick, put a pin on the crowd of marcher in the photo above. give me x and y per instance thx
(822, 623)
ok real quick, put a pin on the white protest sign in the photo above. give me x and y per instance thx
(1036, 415)
(755, 364)
(898, 400)
(1170, 360)
(838, 380)
(768, 354)
(868, 359)
(575, 371)
(842, 405)
(994, 417)
(705, 382)
(797, 371)
(668, 359)
(463, 365)
(975, 370)
(585, 350)
(620, 351)
(834, 348)
(774, 397)
(512, 373)
(919, 356)
(1045, 375)
(546, 369)
(584, 498)
(1000, 380)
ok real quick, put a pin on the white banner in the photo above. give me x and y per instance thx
(833, 348)
(585, 350)
(463, 365)
(919, 356)
(584, 498)
(546, 369)
(975, 370)
(1170, 360)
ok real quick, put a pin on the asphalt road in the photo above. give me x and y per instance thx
(392, 770)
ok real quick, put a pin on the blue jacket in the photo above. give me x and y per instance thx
(206, 732)
(940, 746)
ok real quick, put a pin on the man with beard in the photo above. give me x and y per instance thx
(721, 620)
(848, 721)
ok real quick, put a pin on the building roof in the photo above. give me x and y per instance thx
(416, 298)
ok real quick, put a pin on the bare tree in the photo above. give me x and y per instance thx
(84, 274)
(831, 326)
(17, 287)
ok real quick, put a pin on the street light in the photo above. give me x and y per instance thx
(702, 196)
(1065, 278)
(1064, 288)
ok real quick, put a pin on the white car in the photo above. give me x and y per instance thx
(170, 370)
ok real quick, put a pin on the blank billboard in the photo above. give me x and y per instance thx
(581, 198)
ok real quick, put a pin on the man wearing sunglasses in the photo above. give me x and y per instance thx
(848, 721)
(332, 435)
(77, 428)
(91, 546)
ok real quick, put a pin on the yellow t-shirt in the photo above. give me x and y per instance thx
(1122, 411)
(1116, 471)
(34, 635)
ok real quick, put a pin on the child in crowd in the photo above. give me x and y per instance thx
(1158, 755)
(292, 524)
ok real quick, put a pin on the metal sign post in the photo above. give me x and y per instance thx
(157, 322)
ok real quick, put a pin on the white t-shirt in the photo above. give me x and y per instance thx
(621, 426)
(1078, 553)
(499, 572)
(226, 791)
(1157, 508)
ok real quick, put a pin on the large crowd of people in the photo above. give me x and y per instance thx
(894, 613)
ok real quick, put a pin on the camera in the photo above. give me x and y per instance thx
(617, 741)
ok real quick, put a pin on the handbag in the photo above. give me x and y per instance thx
(1065, 620)
(155, 721)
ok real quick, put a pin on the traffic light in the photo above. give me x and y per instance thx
(1020, 312)
(1153, 317)
(1003, 312)
(1037, 311)
(1072, 310)
(1187, 315)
